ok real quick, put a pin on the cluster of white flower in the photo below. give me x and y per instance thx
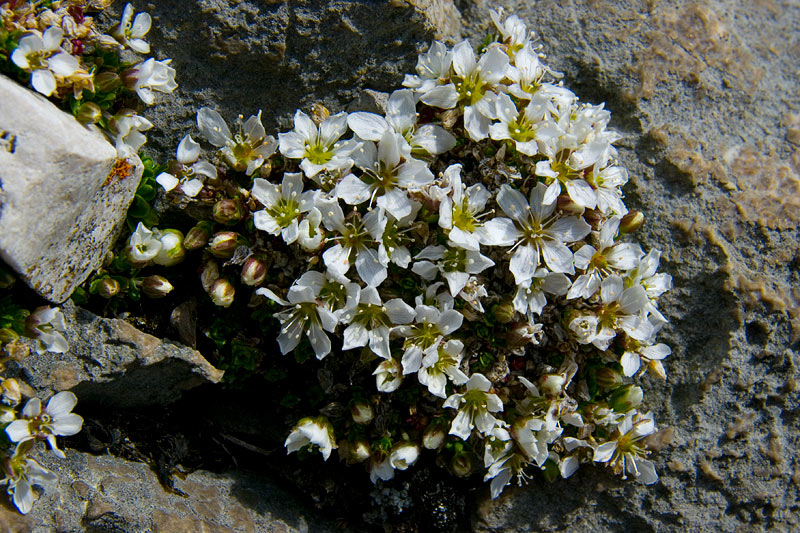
(57, 47)
(471, 242)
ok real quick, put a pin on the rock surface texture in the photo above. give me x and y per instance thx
(110, 494)
(705, 94)
(60, 203)
(242, 57)
(112, 363)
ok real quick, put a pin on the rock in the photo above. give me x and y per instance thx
(112, 363)
(105, 493)
(241, 56)
(708, 107)
(60, 206)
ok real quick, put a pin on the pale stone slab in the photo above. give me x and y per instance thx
(59, 207)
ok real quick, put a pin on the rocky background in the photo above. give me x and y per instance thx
(706, 96)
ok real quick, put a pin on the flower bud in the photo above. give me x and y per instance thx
(631, 222)
(228, 212)
(608, 378)
(222, 292)
(105, 82)
(504, 313)
(7, 335)
(198, 236)
(566, 204)
(461, 464)
(355, 451)
(223, 244)
(362, 413)
(552, 384)
(593, 218)
(403, 455)
(156, 286)
(108, 287)
(209, 275)
(434, 436)
(11, 390)
(254, 271)
(171, 252)
(625, 398)
(89, 113)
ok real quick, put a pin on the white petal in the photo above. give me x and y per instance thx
(476, 124)
(433, 139)
(523, 263)
(168, 181)
(442, 96)
(604, 452)
(63, 64)
(582, 193)
(188, 150)
(498, 231)
(513, 203)
(354, 336)
(368, 126)
(399, 312)
(557, 257)
(43, 81)
(449, 321)
(369, 267)
(213, 127)
(319, 341)
(192, 188)
(61, 404)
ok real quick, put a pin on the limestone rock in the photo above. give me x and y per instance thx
(106, 493)
(112, 363)
(60, 207)
(242, 56)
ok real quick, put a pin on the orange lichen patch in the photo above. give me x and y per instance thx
(121, 170)
(757, 289)
(686, 41)
(769, 189)
(792, 123)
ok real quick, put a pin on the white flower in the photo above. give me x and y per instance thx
(601, 262)
(455, 265)
(391, 235)
(473, 82)
(433, 74)
(152, 75)
(523, 127)
(475, 406)
(22, 477)
(513, 31)
(654, 284)
(530, 297)
(401, 118)
(438, 366)
(538, 233)
(371, 320)
(353, 239)
(624, 453)
(129, 33)
(244, 151)
(56, 419)
(461, 214)
(284, 206)
(424, 336)
(526, 73)
(38, 56)
(650, 355)
(607, 183)
(403, 455)
(143, 245)
(388, 376)
(316, 431)
(190, 178)
(534, 438)
(47, 326)
(127, 128)
(304, 314)
(386, 178)
(319, 148)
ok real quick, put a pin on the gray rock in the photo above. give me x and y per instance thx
(707, 100)
(112, 363)
(241, 56)
(60, 208)
(105, 493)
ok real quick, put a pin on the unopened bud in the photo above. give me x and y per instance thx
(156, 286)
(434, 436)
(504, 313)
(209, 275)
(11, 390)
(254, 271)
(566, 204)
(355, 451)
(8, 335)
(171, 252)
(89, 113)
(593, 218)
(319, 113)
(362, 413)
(228, 212)
(461, 464)
(198, 236)
(105, 82)
(222, 292)
(631, 222)
(108, 287)
(608, 378)
(552, 384)
(625, 398)
(223, 244)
